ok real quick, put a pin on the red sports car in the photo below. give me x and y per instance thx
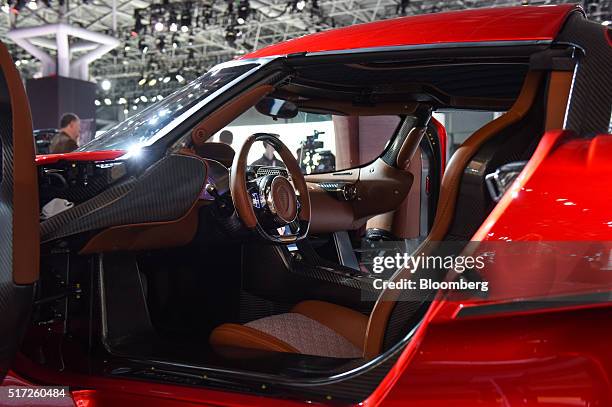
(287, 229)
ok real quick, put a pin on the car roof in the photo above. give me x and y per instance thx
(521, 23)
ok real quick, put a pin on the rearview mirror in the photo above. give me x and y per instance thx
(277, 108)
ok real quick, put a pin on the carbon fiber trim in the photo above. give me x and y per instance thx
(136, 200)
(591, 97)
(15, 301)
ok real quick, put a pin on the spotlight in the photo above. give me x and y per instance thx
(127, 47)
(134, 107)
(5, 8)
(33, 5)
(185, 20)
(152, 82)
(159, 97)
(179, 78)
(173, 27)
(143, 98)
(166, 79)
(105, 85)
(142, 46)
(175, 41)
(122, 101)
(142, 81)
(97, 102)
(161, 44)
(244, 10)
(300, 5)
(231, 33)
(107, 102)
(125, 111)
(606, 23)
(159, 26)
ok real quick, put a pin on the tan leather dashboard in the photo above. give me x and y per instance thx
(380, 188)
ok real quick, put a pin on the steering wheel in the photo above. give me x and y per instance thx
(271, 203)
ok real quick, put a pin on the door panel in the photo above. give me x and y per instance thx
(19, 226)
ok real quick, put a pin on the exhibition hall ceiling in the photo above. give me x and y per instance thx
(165, 43)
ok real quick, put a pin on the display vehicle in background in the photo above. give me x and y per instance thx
(169, 270)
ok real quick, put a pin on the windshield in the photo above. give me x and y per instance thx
(149, 125)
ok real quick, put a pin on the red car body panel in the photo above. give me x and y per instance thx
(529, 23)
(544, 356)
(492, 360)
(79, 156)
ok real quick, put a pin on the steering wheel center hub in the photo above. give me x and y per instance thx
(282, 200)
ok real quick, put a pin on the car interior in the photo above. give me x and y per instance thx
(192, 263)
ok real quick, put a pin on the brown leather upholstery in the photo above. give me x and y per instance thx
(336, 318)
(449, 189)
(558, 95)
(222, 116)
(241, 336)
(349, 325)
(405, 221)
(26, 229)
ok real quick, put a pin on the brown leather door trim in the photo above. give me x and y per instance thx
(26, 228)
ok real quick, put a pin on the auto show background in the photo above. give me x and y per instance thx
(125, 55)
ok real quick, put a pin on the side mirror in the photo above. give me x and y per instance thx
(277, 108)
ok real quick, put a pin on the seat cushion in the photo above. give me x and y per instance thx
(290, 332)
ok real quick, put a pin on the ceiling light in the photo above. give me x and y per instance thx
(300, 5)
(152, 82)
(105, 85)
(125, 111)
(122, 101)
(173, 27)
(107, 102)
(606, 23)
(97, 102)
(159, 97)
(179, 78)
(184, 28)
(142, 81)
(127, 47)
(143, 98)
(166, 79)
(5, 8)
(240, 20)
(134, 107)
(159, 26)
(33, 5)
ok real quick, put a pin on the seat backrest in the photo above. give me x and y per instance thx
(449, 188)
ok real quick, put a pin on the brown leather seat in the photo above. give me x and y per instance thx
(316, 318)
(311, 327)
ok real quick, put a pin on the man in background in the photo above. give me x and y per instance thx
(268, 158)
(226, 137)
(66, 140)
